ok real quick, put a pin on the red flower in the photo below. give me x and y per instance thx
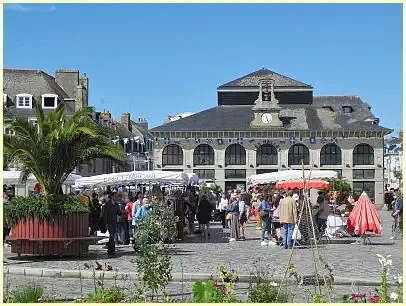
(97, 301)
(224, 293)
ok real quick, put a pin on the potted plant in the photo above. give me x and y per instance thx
(53, 223)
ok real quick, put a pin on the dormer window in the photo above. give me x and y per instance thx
(24, 101)
(347, 109)
(4, 98)
(49, 101)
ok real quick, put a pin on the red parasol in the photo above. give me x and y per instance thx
(364, 217)
(298, 184)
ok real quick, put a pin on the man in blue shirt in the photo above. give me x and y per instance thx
(265, 211)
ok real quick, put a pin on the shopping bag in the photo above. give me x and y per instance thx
(296, 233)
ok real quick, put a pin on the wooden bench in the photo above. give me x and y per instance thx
(40, 241)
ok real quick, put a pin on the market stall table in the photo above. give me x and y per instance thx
(337, 226)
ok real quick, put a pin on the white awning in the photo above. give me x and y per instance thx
(288, 175)
(13, 178)
(127, 178)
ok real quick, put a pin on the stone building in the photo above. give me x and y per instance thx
(23, 87)
(393, 161)
(266, 122)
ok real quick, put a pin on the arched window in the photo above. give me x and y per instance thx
(330, 155)
(172, 155)
(203, 155)
(267, 155)
(297, 154)
(363, 154)
(235, 155)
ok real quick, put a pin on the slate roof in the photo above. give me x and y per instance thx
(34, 82)
(252, 80)
(310, 117)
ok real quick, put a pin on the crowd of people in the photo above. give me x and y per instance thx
(117, 213)
(276, 215)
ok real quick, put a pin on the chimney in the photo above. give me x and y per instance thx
(68, 80)
(143, 123)
(125, 120)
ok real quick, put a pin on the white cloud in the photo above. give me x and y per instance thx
(24, 8)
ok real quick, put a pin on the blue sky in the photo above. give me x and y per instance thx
(156, 60)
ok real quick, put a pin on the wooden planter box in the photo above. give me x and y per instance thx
(61, 236)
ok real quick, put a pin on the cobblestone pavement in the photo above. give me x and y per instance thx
(198, 255)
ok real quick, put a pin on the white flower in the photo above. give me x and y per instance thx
(273, 284)
(394, 296)
(384, 262)
(399, 279)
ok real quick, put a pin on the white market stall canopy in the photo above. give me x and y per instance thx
(14, 178)
(288, 175)
(127, 178)
(193, 178)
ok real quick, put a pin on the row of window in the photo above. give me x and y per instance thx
(267, 154)
(25, 100)
(209, 174)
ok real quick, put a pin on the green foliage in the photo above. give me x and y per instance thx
(158, 226)
(29, 293)
(383, 292)
(206, 292)
(153, 262)
(58, 145)
(341, 185)
(154, 267)
(216, 291)
(263, 290)
(114, 295)
(43, 208)
(215, 189)
(265, 293)
(346, 298)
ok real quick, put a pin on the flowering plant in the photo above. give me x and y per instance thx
(219, 291)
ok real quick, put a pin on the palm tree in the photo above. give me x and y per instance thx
(54, 148)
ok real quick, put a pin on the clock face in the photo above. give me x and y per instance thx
(266, 118)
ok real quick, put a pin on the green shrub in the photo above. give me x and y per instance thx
(222, 291)
(265, 293)
(43, 208)
(29, 293)
(114, 295)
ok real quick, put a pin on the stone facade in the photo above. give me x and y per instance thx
(346, 168)
(265, 107)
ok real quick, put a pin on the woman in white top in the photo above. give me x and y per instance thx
(222, 207)
(243, 215)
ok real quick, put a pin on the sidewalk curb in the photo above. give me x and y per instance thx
(176, 277)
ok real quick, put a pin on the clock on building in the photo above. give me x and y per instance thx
(266, 118)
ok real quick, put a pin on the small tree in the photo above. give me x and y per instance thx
(341, 185)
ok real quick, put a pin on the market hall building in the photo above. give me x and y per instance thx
(266, 122)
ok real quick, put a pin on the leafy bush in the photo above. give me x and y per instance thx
(216, 291)
(153, 262)
(154, 267)
(43, 208)
(114, 295)
(29, 293)
(265, 293)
